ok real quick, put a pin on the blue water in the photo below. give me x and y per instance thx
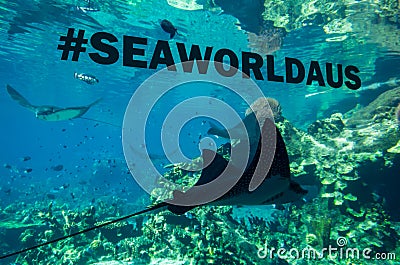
(91, 152)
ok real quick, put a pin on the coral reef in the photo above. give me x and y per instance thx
(382, 108)
(294, 14)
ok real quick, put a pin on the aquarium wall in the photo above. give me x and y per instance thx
(199, 132)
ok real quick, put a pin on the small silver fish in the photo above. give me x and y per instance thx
(89, 79)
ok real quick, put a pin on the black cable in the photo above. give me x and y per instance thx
(152, 208)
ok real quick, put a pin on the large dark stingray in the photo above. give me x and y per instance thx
(277, 187)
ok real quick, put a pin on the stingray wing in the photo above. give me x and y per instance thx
(215, 166)
(94, 103)
(20, 99)
(250, 123)
(280, 164)
(62, 114)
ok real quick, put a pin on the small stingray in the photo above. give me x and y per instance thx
(53, 113)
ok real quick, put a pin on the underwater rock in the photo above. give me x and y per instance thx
(369, 21)
(263, 106)
(340, 185)
(328, 180)
(327, 128)
(269, 40)
(185, 4)
(311, 240)
(384, 106)
(350, 197)
(293, 14)
(395, 149)
(345, 168)
(27, 238)
(71, 256)
(366, 21)
(355, 213)
(374, 128)
(49, 234)
(338, 200)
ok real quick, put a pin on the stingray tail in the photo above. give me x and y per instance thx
(99, 121)
(94, 103)
(149, 209)
(19, 98)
